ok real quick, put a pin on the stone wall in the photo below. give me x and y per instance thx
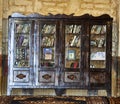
(78, 7)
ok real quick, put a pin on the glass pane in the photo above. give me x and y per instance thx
(22, 44)
(72, 46)
(98, 46)
(47, 45)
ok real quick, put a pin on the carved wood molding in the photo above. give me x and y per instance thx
(46, 76)
(72, 77)
(21, 76)
(37, 15)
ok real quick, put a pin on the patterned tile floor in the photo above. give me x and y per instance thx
(58, 100)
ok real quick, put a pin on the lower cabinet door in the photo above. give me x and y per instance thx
(21, 77)
(99, 79)
(70, 79)
(46, 78)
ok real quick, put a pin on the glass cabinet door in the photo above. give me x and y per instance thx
(22, 41)
(72, 46)
(47, 45)
(47, 54)
(98, 46)
(20, 54)
(72, 55)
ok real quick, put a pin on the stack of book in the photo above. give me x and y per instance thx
(98, 29)
(49, 29)
(73, 29)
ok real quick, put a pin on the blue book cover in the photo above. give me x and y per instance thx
(47, 52)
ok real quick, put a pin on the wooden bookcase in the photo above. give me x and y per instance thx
(60, 52)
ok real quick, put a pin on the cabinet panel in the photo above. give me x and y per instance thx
(100, 58)
(20, 53)
(98, 77)
(48, 56)
(21, 76)
(46, 77)
(99, 80)
(98, 46)
(71, 70)
(72, 77)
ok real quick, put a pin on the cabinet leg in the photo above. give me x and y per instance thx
(60, 91)
(108, 92)
(93, 92)
(9, 90)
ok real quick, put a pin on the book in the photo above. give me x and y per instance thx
(78, 29)
(47, 53)
(19, 28)
(71, 54)
(26, 28)
(48, 29)
(74, 30)
(98, 56)
(19, 40)
(96, 29)
(69, 28)
(25, 41)
(48, 40)
(103, 30)
(73, 41)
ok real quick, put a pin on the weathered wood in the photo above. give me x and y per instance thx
(55, 51)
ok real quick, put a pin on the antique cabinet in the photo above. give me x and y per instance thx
(59, 52)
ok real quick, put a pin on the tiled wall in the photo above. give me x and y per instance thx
(78, 7)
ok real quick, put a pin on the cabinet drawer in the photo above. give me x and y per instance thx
(21, 76)
(98, 77)
(46, 77)
(72, 77)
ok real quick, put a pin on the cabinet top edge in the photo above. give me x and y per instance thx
(36, 15)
